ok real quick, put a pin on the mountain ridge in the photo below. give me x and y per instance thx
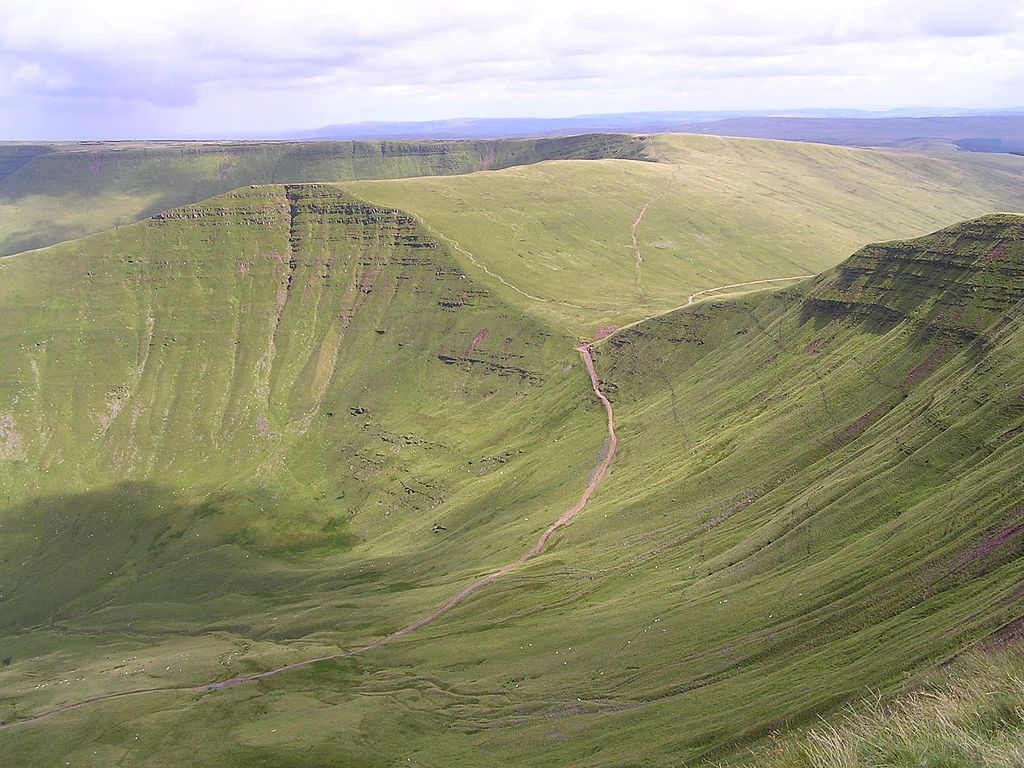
(69, 190)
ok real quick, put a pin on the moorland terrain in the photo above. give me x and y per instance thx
(602, 451)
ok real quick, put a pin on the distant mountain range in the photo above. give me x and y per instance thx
(977, 133)
(992, 130)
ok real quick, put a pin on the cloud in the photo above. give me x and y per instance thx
(203, 66)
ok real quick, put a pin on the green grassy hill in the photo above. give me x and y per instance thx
(287, 421)
(837, 480)
(256, 371)
(583, 244)
(236, 426)
(51, 193)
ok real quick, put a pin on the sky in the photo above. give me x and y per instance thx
(106, 69)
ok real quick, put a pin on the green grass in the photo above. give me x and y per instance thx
(969, 715)
(266, 423)
(234, 427)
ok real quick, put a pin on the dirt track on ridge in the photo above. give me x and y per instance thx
(693, 296)
(636, 223)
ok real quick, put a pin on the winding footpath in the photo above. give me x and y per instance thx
(694, 296)
(595, 480)
(638, 258)
(632, 232)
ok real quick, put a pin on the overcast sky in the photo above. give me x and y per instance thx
(167, 68)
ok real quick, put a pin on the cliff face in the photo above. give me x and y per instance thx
(952, 284)
(239, 318)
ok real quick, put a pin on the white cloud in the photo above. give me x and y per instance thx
(199, 66)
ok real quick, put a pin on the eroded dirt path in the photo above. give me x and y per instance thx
(596, 477)
(636, 223)
(638, 258)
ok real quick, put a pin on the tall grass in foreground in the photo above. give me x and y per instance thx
(971, 714)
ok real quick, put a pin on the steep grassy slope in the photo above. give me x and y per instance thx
(815, 491)
(59, 192)
(612, 241)
(837, 472)
(254, 404)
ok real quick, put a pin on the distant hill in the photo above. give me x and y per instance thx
(981, 133)
(888, 124)
(55, 192)
(711, 211)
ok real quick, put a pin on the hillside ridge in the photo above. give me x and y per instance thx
(953, 282)
(51, 194)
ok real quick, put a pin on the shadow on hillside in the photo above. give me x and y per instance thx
(62, 554)
(65, 555)
(27, 240)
